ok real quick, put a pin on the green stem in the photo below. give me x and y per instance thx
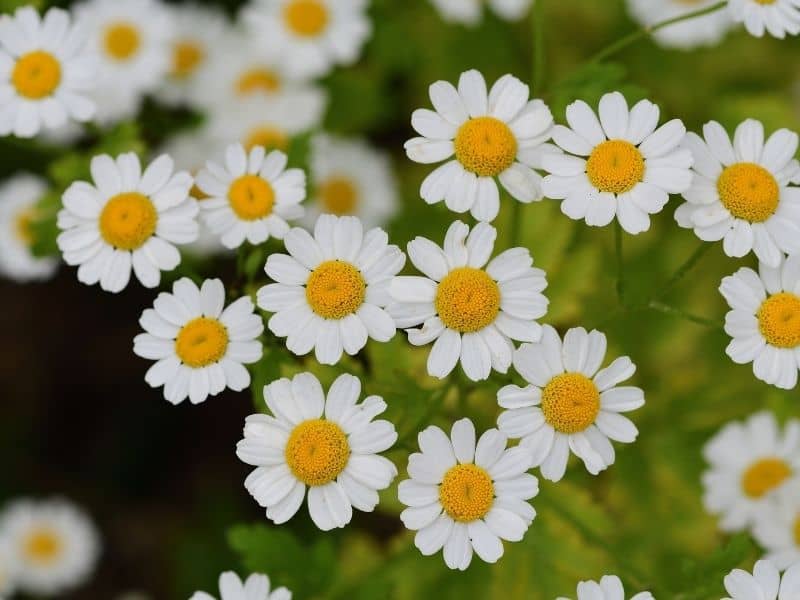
(538, 62)
(684, 269)
(516, 223)
(620, 262)
(677, 312)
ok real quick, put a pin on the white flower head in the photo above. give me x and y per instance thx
(464, 497)
(776, 17)
(19, 197)
(618, 165)
(332, 288)
(327, 445)
(8, 569)
(764, 320)
(496, 134)
(740, 192)
(470, 12)
(54, 544)
(252, 197)
(749, 463)
(764, 584)
(707, 30)
(777, 530)
(608, 588)
(471, 309)
(255, 587)
(46, 72)
(570, 403)
(127, 219)
(200, 346)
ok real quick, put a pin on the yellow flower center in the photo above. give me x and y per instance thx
(251, 197)
(467, 299)
(764, 476)
(201, 342)
(122, 41)
(779, 320)
(570, 402)
(257, 80)
(307, 18)
(43, 546)
(797, 531)
(615, 166)
(466, 493)
(128, 220)
(317, 451)
(335, 289)
(187, 56)
(749, 192)
(339, 196)
(36, 75)
(268, 136)
(766, 1)
(485, 146)
(24, 227)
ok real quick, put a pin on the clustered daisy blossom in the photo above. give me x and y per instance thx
(776, 17)
(777, 530)
(707, 30)
(765, 583)
(469, 12)
(255, 587)
(608, 588)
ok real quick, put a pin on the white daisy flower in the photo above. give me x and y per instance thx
(707, 30)
(201, 349)
(255, 587)
(252, 197)
(777, 530)
(764, 584)
(332, 288)
(472, 310)
(310, 37)
(466, 497)
(19, 197)
(749, 463)
(776, 17)
(764, 320)
(740, 194)
(470, 12)
(496, 134)
(127, 219)
(8, 569)
(609, 588)
(570, 403)
(335, 456)
(132, 40)
(619, 165)
(54, 544)
(350, 177)
(46, 71)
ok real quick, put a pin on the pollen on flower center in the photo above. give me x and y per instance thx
(24, 227)
(615, 166)
(307, 18)
(339, 196)
(128, 220)
(797, 530)
(122, 41)
(485, 146)
(335, 289)
(36, 75)
(467, 299)
(749, 192)
(251, 197)
(466, 493)
(257, 80)
(201, 342)
(42, 546)
(187, 55)
(268, 136)
(764, 476)
(779, 320)
(570, 402)
(317, 451)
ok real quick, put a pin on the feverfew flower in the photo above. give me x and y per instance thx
(335, 456)
(466, 497)
(777, 530)
(127, 219)
(609, 588)
(8, 569)
(496, 134)
(764, 584)
(776, 17)
(470, 12)
(571, 404)
(201, 349)
(332, 288)
(472, 310)
(255, 587)
(707, 30)
(749, 463)
(619, 165)
(45, 71)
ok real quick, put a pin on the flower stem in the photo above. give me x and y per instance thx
(677, 312)
(620, 262)
(684, 269)
(516, 223)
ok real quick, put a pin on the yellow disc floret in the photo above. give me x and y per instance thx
(122, 41)
(128, 220)
(306, 18)
(251, 197)
(187, 56)
(36, 75)
(779, 320)
(797, 531)
(24, 226)
(201, 342)
(749, 192)
(764, 476)
(317, 451)
(43, 545)
(257, 80)
(570, 402)
(615, 166)
(467, 299)
(335, 289)
(485, 146)
(466, 493)
(268, 136)
(339, 196)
